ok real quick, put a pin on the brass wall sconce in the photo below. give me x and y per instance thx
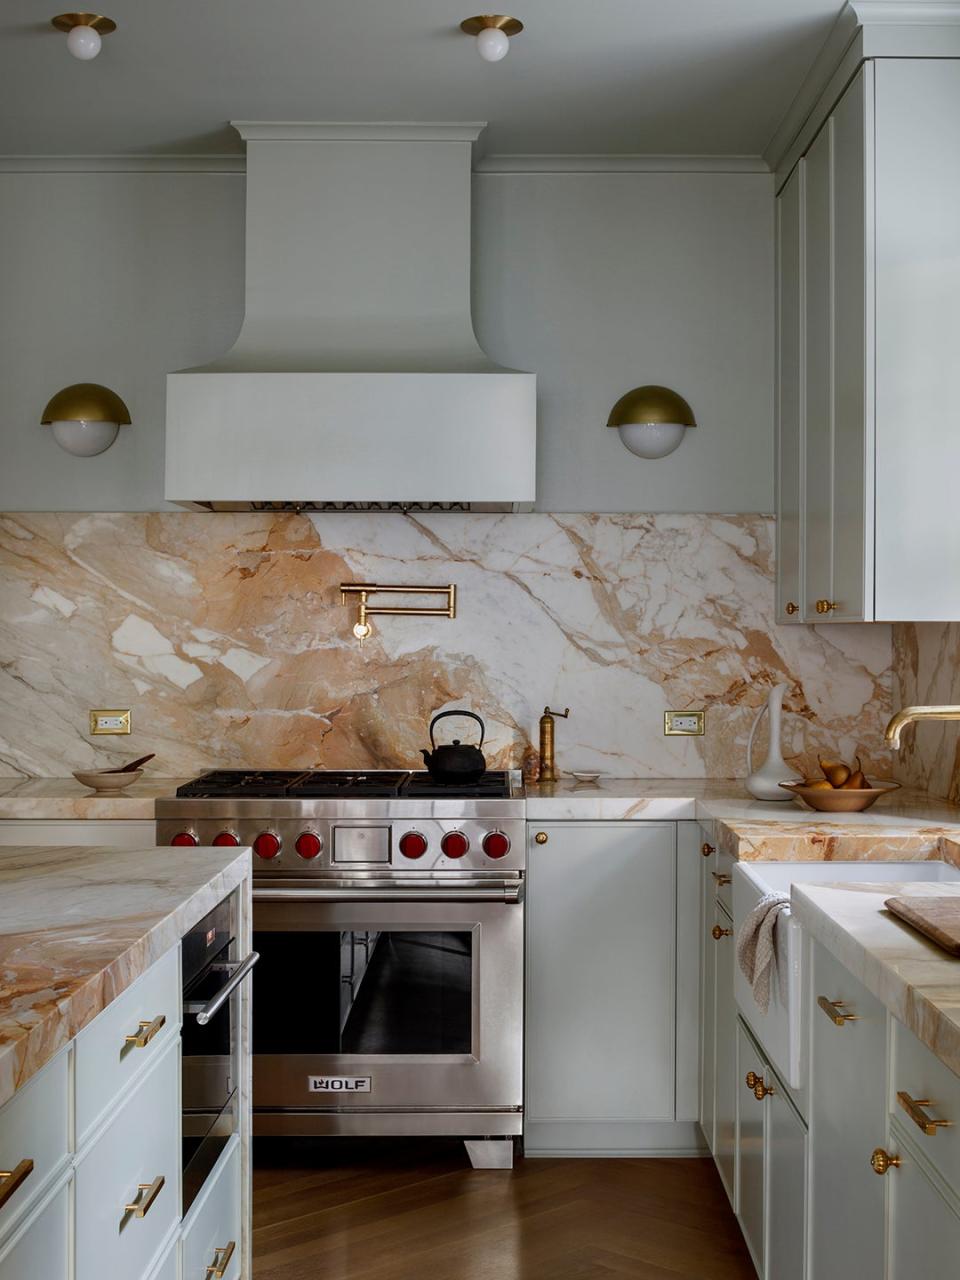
(365, 611)
(652, 420)
(85, 418)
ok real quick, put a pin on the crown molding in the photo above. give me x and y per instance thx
(507, 164)
(124, 164)
(360, 131)
(909, 12)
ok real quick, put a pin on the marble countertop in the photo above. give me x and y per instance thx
(918, 983)
(64, 798)
(79, 925)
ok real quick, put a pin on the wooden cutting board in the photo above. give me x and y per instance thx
(937, 918)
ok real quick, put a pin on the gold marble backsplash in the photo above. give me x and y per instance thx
(225, 635)
(926, 664)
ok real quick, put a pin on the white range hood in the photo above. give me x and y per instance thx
(356, 379)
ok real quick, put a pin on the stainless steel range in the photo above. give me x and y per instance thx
(388, 914)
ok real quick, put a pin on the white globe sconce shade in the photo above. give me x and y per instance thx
(85, 32)
(85, 418)
(651, 420)
(493, 32)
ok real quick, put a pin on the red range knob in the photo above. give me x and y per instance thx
(185, 838)
(413, 844)
(454, 844)
(226, 838)
(309, 845)
(496, 844)
(266, 845)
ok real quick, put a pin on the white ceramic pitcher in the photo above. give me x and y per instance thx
(764, 783)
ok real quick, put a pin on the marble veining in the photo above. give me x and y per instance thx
(926, 658)
(65, 798)
(913, 978)
(226, 636)
(78, 926)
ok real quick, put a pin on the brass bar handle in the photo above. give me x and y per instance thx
(834, 1011)
(881, 1161)
(147, 1193)
(717, 932)
(221, 1261)
(914, 1109)
(10, 1179)
(145, 1032)
(721, 879)
(707, 849)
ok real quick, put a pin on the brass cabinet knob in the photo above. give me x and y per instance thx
(761, 1090)
(719, 933)
(752, 1078)
(707, 849)
(792, 608)
(881, 1161)
(826, 606)
(541, 837)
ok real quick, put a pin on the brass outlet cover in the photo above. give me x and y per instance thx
(684, 724)
(120, 722)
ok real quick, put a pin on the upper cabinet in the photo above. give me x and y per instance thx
(868, 383)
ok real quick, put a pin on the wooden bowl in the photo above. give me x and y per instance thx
(107, 780)
(837, 799)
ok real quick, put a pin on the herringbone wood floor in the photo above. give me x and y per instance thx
(416, 1211)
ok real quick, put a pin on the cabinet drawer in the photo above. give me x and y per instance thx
(214, 1223)
(140, 1145)
(34, 1127)
(931, 1092)
(167, 1270)
(39, 1250)
(106, 1059)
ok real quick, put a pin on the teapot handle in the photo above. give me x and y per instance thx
(471, 714)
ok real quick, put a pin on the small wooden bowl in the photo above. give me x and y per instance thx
(107, 780)
(838, 800)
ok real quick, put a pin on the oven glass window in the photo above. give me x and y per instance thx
(386, 992)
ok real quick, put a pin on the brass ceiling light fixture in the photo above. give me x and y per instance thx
(85, 418)
(652, 420)
(84, 32)
(493, 32)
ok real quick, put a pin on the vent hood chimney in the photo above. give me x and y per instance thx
(356, 379)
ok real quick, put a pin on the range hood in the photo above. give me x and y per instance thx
(356, 380)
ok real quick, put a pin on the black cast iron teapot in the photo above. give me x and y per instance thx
(455, 762)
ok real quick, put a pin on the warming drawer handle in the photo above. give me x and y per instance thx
(10, 1179)
(214, 1006)
(510, 896)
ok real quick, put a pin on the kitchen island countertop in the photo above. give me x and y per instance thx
(79, 925)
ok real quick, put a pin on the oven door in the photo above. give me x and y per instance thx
(374, 996)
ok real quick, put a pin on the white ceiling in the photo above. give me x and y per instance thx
(696, 77)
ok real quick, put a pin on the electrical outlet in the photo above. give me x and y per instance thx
(683, 724)
(109, 722)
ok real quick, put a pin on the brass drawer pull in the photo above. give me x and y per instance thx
(147, 1193)
(834, 1011)
(10, 1179)
(880, 1161)
(221, 1261)
(721, 879)
(541, 837)
(707, 849)
(719, 932)
(145, 1032)
(914, 1109)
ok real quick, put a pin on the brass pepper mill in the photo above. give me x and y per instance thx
(548, 763)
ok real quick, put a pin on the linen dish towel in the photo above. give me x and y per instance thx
(757, 946)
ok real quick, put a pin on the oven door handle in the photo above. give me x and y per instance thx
(508, 894)
(204, 1012)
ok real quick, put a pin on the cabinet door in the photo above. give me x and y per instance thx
(40, 1249)
(924, 1226)
(790, 398)
(601, 965)
(847, 1121)
(786, 1189)
(725, 1151)
(708, 1000)
(750, 1146)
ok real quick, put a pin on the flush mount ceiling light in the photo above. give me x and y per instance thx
(84, 31)
(651, 420)
(493, 32)
(85, 418)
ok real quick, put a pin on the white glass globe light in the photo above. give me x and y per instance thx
(652, 439)
(83, 438)
(493, 44)
(84, 43)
